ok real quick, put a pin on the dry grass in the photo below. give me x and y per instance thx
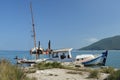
(11, 72)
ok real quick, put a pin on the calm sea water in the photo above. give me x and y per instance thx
(113, 58)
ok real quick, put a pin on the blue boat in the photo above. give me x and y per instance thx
(91, 59)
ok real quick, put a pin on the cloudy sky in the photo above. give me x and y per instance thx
(67, 23)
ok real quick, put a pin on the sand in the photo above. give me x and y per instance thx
(63, 74)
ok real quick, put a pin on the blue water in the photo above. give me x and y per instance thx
(113, 58)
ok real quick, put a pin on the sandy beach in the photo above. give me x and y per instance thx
(63, 74)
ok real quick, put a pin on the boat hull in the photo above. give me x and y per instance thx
(98, 60)
(30, 61)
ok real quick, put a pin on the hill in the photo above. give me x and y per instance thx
(111, 43)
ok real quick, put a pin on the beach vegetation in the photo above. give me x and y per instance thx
(94, 74)
(48, 65)
(74, 72)
(84, 69)
(11, 72)
(30, 71)
(107, 70)
(114, 75)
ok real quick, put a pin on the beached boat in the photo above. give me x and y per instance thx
(92, 59)
(59, 55)
(65, 55)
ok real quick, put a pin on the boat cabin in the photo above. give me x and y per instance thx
(61, 55)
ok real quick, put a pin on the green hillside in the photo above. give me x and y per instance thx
(111, 43)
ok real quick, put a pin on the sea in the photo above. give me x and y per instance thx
(113, 58)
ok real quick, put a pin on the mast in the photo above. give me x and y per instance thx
(33, 26)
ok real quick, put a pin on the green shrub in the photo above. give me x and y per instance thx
(74, 72)
(94, 74)
(114, 76)
(11, 72)
(57, 65)
(107, 70)
(48, 65)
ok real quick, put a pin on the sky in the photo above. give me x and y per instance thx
(67, 23)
